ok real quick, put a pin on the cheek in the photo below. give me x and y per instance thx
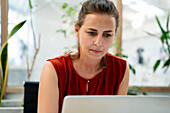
(108, 43)
(85, 41)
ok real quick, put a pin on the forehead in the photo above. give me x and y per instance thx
(99, 21)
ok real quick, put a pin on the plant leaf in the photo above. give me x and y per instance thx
(64, 5)
(16, 28)
(132, 91)
(144, 93)
(75, 12)
(163, 31)
(162, 38)
(4, 67)
(167, 63)
(156, 65)
(4, 58)
(167, 24)
(117, 44)
(118, 54)
(132, 69)
(65, 52)
(166, 68)
(138, 88)
(69, 10)
(168, 34)
(124, 56)
(66, 47)
(62, 31)
(30, 4)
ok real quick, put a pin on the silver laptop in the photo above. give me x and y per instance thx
(116, 104)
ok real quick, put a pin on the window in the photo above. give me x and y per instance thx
(143, 50)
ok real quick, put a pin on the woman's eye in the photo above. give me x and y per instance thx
(106, 35)
(92, 33)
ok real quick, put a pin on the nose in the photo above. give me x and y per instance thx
(98, 41)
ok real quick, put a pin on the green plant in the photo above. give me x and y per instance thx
(68, 18)
(135, 90)
(4, 58)
(164, 38)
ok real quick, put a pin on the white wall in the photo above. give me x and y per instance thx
(46, 18)
(46, 22)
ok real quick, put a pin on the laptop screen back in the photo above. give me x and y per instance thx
(116, 104)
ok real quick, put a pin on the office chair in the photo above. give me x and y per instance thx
(30, 96)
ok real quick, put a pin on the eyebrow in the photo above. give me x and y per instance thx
(96, 30)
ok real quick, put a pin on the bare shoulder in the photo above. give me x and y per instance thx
(48, 66)
(126, 75)
(48, 73)
(123, 88)
(127, 68)
(48, 96)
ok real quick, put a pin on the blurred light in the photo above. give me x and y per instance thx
(137, 20)
(144, 8)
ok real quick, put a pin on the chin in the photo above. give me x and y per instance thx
(97, 56)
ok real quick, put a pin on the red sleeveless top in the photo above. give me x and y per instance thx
(71, 83)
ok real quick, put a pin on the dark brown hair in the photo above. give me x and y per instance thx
(99, 7)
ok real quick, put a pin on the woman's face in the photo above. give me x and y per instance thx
(96, 35)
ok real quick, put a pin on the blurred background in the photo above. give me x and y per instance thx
(53, 21)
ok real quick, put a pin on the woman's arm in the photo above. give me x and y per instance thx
(48, 95)
(123, 88)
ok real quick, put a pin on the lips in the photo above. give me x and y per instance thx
(95, 51)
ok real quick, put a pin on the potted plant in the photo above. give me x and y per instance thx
(4, 70)
(164, 38)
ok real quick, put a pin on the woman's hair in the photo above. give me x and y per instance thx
(98, 7)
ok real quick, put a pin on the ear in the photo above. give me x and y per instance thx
(76, 30)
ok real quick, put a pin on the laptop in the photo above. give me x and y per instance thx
(116, 104)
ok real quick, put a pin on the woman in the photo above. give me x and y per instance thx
(91, 70)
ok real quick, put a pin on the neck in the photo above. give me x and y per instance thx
(87, 65)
